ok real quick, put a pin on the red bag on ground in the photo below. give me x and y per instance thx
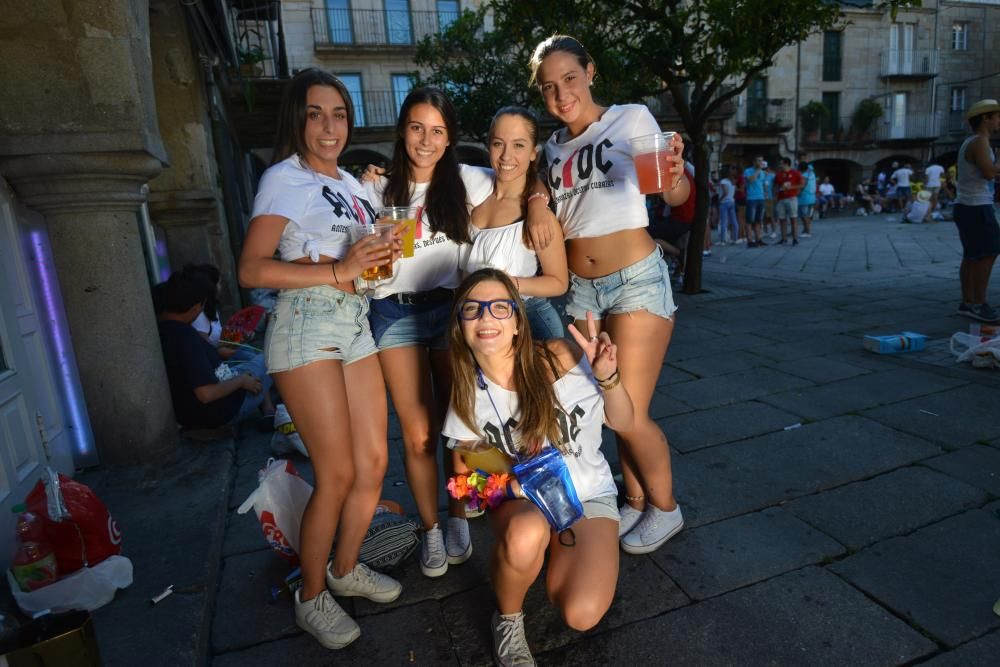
(242, 325)
(85, 537)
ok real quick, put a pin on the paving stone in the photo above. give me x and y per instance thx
(704, 428)
(807, 617)
(721, 364)
(253, 446)
(954, 417)
(644, 591)
(415, 634)
(664, 402)
(980, 652)
(820, 369)
(978, 465)
(714, 347)
(730, 554)
(243, 534)
(735, 387)
(944, 577)
(736, 478)
(807, 346)
(672, 375)
(859, 393)
(892, 504)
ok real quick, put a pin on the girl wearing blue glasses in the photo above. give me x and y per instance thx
(519, 396)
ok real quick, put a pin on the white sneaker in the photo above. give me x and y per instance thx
(323, 618)
(740, 241)
(652, 530)
(458, 544)
(805, 235)
(774, 235)
(630, 516)
(433, 556)
(510, 646)
(364, 582)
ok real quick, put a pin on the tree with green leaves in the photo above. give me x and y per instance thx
(703, 52)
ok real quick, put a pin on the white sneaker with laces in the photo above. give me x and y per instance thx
(652, 530)
(630, 516)
(458, 543)
(433, 556)
(323, 618)
(805, 235)
(364, 582)
(510, 646)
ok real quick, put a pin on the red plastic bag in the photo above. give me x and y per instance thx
(86, 533)
(242, 325)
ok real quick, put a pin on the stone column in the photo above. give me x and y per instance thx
(90, 201)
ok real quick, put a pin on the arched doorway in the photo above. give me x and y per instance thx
(844, 174)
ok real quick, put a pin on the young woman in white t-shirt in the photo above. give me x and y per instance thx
(499, 237)
(616, 270)
(318, 343)
(409, 312)
(520, 396)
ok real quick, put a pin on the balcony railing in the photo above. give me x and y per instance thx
(953, 123)
(915, 64)
(258, 39)
(772, 115)
(333, 28)
(912, 127)
(377, 108)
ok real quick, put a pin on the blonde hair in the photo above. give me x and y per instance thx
(532, 378)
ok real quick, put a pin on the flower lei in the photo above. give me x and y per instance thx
(479, 488)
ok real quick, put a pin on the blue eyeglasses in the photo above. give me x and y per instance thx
(500, 309)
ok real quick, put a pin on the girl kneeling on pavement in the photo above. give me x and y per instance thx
(520, 396)
(319, 342)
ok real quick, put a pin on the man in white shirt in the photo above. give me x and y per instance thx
(902, 178)
(933, 173)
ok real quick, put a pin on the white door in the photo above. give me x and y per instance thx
(22, 458)
(907, 65)
(898, 129)
(893, 49)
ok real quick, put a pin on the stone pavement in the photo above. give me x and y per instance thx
(842, 507)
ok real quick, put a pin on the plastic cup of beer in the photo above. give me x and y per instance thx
(651, 154)
(384, 232)
(398, 214)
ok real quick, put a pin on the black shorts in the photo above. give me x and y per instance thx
(979, 230)
(670, 231)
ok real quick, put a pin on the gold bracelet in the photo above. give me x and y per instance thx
(610, 383)
(333, 265)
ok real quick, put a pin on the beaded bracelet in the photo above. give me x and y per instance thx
(538, 195)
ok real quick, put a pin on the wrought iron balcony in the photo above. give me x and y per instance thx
(375, 109)
(953, 123)
(343, 28)
(915, 64)
(912, 127)
(766, 116)
(256, 32)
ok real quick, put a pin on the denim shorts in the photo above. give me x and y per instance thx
(255, 366)
(979, 230)
(644, 285)
(755, 211)
(543, 319)
(806, 210)
(602, 507)
(405, 325)
(315, 324)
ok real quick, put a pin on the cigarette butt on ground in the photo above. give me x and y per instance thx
(168, 591)
(791, 427)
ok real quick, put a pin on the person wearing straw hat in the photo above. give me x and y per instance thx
(975, 214)
(918, 209)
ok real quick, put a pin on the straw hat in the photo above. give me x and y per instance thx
(981, 107)
(924, 195)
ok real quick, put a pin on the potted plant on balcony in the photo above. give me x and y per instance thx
(250, 59)
(866, 113)
(813, 114)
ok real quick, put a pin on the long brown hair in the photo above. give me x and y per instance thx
(290, 137)
(445, 202)
(531, 175)
(535, 369)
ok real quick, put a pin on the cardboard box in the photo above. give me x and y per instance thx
(54, 640)
(906, 341)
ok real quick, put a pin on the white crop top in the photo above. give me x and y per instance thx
(592, 176)
(435, 261)
(320, 210)
(580, 421)
(501, 248)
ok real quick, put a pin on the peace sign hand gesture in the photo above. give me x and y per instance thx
(601, 352)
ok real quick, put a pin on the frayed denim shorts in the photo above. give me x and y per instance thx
(405, 325)
(602, 507)
(316, 324)
(644, 285)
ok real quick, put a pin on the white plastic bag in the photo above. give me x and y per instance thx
(981, 353)
(88, 588)
(279, 500)
(286, 439)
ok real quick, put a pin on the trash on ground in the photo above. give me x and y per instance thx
(167, 592)
(791, 427)
(906, 341)
(932, 414)
(980, 352)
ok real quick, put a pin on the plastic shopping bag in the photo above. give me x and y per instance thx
(87, 588)
(279, 501)
(546, 481)
(77, 524)
(980, 351)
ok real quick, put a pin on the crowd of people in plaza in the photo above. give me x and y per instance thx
(448, 314)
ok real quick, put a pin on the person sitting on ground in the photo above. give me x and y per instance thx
(918, 209)
(829, 197)
(863, 199)
(670, 230)
(201, 399)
